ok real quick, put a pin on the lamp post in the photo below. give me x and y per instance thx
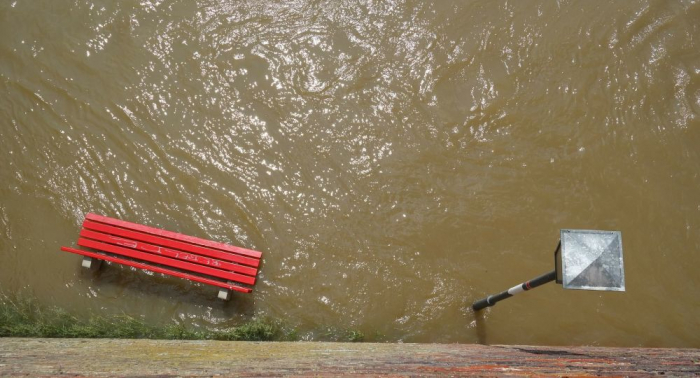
(583, 260)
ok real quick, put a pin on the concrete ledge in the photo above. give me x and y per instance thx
(108, 357)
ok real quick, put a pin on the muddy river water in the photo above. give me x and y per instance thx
(393, 160)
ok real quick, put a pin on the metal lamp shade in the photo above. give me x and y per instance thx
(591, 260)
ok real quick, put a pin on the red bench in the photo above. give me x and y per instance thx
(148, 248)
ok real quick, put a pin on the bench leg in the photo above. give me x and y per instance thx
(224, 294)
(91, 263)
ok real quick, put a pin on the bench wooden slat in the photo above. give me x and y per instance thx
(166, 261)
(134, 235)
(155, 249)
(157, 269)
(174, 235)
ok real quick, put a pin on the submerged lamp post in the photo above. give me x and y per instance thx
(584, 260)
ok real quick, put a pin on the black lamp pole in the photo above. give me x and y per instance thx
(533, 283)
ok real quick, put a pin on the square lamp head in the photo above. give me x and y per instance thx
(590, 260)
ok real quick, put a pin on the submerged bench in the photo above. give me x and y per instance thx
(225, 266)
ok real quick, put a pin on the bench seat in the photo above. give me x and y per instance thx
(225, 266)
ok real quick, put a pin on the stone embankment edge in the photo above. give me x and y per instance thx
(111, 357)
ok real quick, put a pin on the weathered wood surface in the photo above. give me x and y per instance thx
(107, 357)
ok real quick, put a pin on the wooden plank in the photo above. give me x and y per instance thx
(195, 358)
(158, 269)
(173, 235)
(134, 235)
(155, 249)
(174, 263)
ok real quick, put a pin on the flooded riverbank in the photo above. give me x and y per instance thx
(393, 161)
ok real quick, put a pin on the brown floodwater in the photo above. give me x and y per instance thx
(393, 160)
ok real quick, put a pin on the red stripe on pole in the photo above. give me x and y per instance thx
(134, 235)
(155, 249)
(157, 269)
(173, 235)
(166, 261)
